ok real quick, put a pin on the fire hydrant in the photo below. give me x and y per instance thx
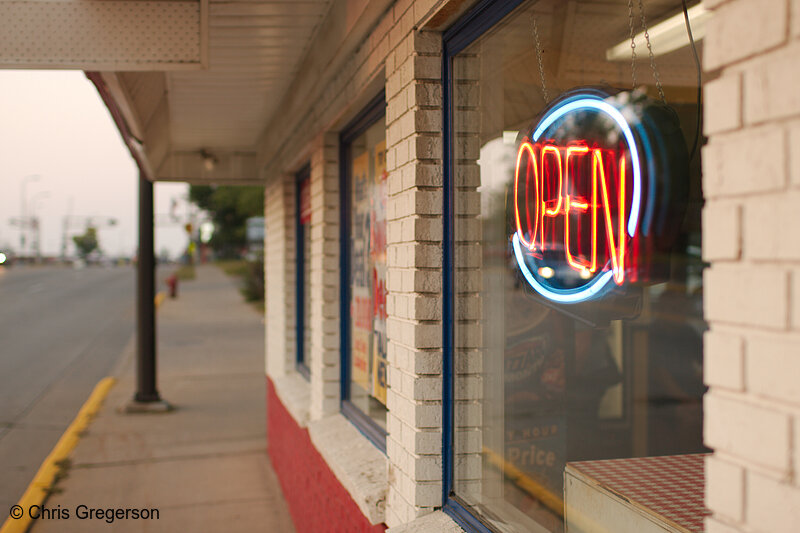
(172, 283)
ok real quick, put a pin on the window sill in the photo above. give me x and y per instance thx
(436, 521)
(295, 394)
(358, 465)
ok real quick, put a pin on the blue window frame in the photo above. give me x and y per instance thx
(303, 235)
(471, 26)
(368, 119)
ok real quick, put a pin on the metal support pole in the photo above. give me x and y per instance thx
(146, 391)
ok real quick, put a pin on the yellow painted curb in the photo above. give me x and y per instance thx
(39, 488)
(158, 300)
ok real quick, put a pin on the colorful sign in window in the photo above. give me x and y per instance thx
(577, 199)
(367, 197)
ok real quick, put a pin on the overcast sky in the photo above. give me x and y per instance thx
(53, 123)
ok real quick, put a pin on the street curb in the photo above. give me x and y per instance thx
(44, 479)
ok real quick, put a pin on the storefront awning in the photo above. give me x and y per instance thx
(195, 82)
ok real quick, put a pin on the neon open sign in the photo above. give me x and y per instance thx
(577, 200)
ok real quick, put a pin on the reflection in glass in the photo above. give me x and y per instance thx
(539, 385)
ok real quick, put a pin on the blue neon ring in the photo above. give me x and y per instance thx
(593, 288)
(567, 296)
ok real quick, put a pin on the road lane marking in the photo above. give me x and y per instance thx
(36, 287)
(42, 482)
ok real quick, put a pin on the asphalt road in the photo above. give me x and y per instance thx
(61, 331)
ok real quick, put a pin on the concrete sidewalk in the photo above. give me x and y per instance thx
(203, 466)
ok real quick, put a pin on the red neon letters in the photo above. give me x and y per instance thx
(575, 182)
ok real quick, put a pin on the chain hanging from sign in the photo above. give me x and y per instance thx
(646, 33)
(538, 46)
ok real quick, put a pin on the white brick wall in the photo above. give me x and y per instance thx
(751, 221)
(413, 118)
(743, 28)
(323, 286)
(279, 260)
(411, 61)
(752, 188)
(752, 295)
(723, 102)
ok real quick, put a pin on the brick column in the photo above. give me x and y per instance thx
(751, 180)
(279, 272)
(324, 283)
(414, 141)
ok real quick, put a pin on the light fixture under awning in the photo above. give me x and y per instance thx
(666, 36)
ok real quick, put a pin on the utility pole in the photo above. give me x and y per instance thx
(65, 229)
(84, 222)
(35, 224)
(23, 218)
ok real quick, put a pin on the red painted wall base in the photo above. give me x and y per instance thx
(317, 501)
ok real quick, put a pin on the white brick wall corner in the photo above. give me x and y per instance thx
(324, 273)
(751, 174)
(413, 118)
(279, 258)
(743, 28)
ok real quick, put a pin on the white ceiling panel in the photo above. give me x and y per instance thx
(255, 48)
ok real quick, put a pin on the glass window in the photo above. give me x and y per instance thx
(303, 196)
(577, 274)
(364, 247)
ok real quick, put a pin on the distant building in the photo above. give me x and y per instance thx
(255, 238)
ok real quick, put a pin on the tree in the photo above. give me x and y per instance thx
(86, 243)
(229, 207)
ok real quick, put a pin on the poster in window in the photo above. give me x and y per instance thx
(360, 313)
(378, 259)
(361, 305)
(305, 201)
(359, 267)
